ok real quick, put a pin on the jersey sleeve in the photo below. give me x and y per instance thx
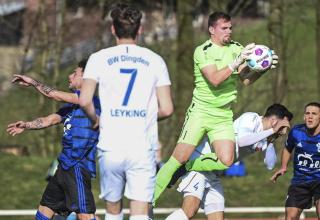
(92, 68)
(246, 125)
(270, 157)
(290, 143)
(247, 134)
(97, 106)
(202, 58)
(64, 111)
(162, 74)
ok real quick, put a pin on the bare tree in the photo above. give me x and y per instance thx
(60, 9)
(280, 81)
(41, 43)
(104, 8)
(183, 78)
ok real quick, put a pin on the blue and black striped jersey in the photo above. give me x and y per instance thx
(79, 139)
(306, 162)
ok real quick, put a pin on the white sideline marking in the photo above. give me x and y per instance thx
(24, 212)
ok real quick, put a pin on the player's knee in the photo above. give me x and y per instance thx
(292, 216)
(114, 208)
(190, 212)
(190, 206)
(181, 158)
(227, 160)
(288, 217)
(182, 152)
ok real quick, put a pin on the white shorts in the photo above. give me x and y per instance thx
(207, 187)
(129, 174)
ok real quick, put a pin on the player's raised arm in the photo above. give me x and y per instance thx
(216, 76)
(38, 123)
(45, 90)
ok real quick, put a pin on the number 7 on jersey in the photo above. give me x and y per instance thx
(133, 73)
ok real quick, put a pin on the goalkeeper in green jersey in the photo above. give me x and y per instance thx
(218, 63)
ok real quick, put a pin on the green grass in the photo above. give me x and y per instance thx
(23, 184)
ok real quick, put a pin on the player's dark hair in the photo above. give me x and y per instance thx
(82, 64)
(315, 104)
(215, 16)
(126, 20)
(279, 111)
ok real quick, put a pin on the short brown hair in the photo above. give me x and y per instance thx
(126, 20)
(215, 16)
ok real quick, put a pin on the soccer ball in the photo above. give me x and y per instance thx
(261, 58)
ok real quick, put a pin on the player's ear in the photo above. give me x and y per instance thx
(113, 31)
(273, 121)
(211, 30)
(140, 30)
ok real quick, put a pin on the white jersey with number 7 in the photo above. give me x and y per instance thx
(128, 76)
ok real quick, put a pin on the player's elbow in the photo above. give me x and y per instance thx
(55, 96)
(227, 160)
(166, 112)
(84, 103)
(215, 81)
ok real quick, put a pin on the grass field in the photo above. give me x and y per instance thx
(22, 184)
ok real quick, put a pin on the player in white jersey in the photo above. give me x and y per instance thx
(254, 133)
(134, 89)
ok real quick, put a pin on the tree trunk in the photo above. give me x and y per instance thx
(280, 81)
(52, 147)
(183, 78)
(104, 8)
(42, 44)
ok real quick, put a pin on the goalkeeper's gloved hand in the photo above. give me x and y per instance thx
(242, 56)
(275, 59)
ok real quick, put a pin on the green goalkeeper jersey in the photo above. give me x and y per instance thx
(205, 93)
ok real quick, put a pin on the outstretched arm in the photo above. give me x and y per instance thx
(38, 123)
(46, 90)
(285, 158)
(253, 138)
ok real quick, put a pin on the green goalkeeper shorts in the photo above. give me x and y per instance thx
(216, 123)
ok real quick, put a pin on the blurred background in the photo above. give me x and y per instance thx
(46, 38)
